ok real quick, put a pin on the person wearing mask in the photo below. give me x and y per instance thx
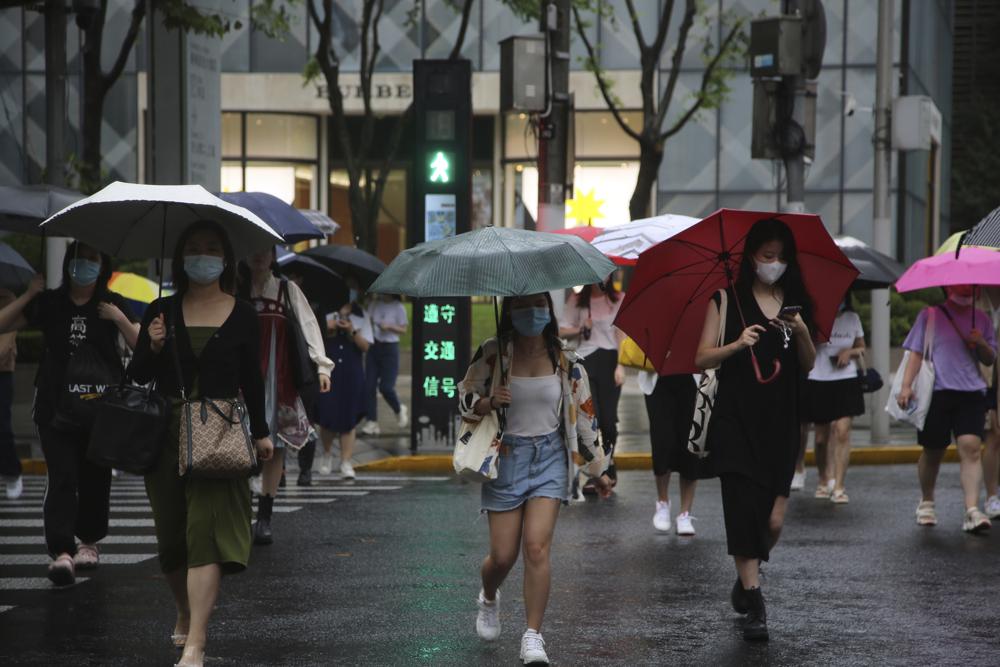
(202, 524)
(753, 434)
(81, 322)
(276, 301)
(10, 464)
(550, 421)
(590, 316)
(833, 397)
(388, 317)
(348, 337)
(958, 402)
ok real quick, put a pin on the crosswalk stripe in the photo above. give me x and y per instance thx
(286, 508)
(114, 523)
(4, 608)
(29, 583)
(43, 559)
(110, 539)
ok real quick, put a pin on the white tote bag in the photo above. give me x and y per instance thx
(478, 446)
(923, 384)
(707, 388)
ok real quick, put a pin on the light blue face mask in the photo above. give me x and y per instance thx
(353, 295)
(530, 321)
(203, 269)
(84, 272)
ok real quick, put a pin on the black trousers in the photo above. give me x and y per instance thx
(307, 455)
(746, 509)
(77, 495)
(10, 465)
(600, 366)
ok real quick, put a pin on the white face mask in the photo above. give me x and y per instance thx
(770, 272)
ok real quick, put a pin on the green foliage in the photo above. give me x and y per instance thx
(311, 72)
(272, 17)
(904, 308)
(974, 194)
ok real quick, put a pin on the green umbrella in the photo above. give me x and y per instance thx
(494, 261)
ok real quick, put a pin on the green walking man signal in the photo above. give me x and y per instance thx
(440, 168)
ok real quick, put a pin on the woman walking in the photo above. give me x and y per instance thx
(277, 302)
(202, 524)
(549, 422)
(670, 401)
(590, 316)
(81, 324)
(349, 335)
(958, 402)
(833, 397)
(753, 435)
(389, 321)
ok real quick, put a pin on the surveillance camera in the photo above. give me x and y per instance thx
(850, 105)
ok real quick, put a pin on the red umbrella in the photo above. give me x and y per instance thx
(585, 232)
(664, 308)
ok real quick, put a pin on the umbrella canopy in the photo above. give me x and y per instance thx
(23, 207)
(15, 272)
(985, 233)
(320, 221)
(321, 285)
(138, 290)
(130, 220)
(347, 260)
(951, 244)
(586, 232)
(973, 266)
(877, 269)
(286, 220)
(494, 261)
(664, 308)
(624, 243)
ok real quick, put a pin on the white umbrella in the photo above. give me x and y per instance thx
(131, 220)
(624, 243)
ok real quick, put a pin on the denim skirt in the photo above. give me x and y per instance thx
(529, 467)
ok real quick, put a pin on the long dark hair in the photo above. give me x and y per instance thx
(227, 281)
(550, 333)
(72, 251)
(791, 283)
(607, 288)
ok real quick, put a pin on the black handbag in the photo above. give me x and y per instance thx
(129, 429)
(88, 375)
(304, 370)
(871, 380)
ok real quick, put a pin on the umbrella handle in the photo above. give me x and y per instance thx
(760, 376)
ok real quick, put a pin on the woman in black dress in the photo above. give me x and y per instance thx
(753, 434)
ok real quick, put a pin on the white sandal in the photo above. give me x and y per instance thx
(926, 516)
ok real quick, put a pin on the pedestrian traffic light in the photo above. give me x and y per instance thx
(440, 208)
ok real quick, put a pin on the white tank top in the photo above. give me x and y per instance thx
(534, 407)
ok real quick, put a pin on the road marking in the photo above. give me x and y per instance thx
(110, 539)
(115, 523)
(4, 608)
(31, 583)
(307, 490)
(42, 559)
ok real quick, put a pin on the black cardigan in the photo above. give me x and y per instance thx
(230, 362)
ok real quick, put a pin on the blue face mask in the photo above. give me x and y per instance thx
(203, 269)
(530, 321)
(84, 272)
(352, 295)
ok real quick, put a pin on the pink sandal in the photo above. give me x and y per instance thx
(61, 571)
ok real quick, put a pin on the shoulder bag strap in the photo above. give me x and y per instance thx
(172, 340)
(723, 312)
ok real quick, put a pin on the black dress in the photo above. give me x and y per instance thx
(753, 435)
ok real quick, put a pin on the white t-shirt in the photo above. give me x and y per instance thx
(393, 313)
(846, 329)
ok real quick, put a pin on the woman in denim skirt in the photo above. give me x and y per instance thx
(549, 419)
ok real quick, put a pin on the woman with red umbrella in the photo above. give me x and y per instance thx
(753, 435)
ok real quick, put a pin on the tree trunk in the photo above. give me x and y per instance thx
(650, 157)
(90, 132)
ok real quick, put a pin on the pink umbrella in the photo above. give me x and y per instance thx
(973, 266)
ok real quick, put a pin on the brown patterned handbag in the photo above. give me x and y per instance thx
(214, 440)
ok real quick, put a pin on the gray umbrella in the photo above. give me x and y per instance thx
(23, 207)
(15, 272)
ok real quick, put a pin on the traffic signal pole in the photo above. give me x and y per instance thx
(554, 125)
(793, 92)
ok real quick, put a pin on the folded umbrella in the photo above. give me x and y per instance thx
(15, 272)
(664, 308)
(624, 243)
(131, 220)
(283, 218)
(23, 207)
(973, 266)
(877, 269)
(321, 284)
(347, 260)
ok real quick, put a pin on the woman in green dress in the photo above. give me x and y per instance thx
(202, 525)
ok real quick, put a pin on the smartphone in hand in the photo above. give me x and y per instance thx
(789, 311)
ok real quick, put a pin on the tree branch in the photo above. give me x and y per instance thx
(456, 50)
(138, 13)
(664, 28)
(675, 63)
(601, 84)
(636, 28)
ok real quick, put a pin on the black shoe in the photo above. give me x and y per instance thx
(305, 478)
(262, 528)
(739, 598)
(755, 626)
(281, 484)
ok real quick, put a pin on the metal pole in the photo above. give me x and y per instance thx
(882, 222)
(793, 90)
(554, 127)
(55, 123)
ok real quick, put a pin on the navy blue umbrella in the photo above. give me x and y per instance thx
(322, 286)
(284, 219)
(15, 272)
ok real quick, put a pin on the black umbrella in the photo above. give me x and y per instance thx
(877, 269)
(986, 233)
(321, 285)
(23, 207)
(346, 260)
(15, 272)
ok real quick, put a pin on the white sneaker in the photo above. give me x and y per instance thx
(404, 416)
(799, 481)
(992, 507)
(15, 487)
(255, 485)
(684, 524)
(661, 520)
(325, 464)
(533, 649)
(975, 521)
(370, 428)
(347, 470)
(488, 618)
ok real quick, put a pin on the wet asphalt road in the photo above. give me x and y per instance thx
(391, 579)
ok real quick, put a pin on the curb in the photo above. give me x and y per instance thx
(437, 464)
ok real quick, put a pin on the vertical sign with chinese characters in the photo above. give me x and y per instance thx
(440, 209)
